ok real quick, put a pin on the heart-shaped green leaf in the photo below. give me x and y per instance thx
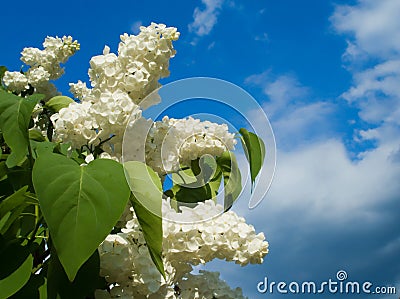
(254, 149)
(58, 102)
(146, 200)
(15, 115)
(80, 204)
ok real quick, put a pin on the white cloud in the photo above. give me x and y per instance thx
(391, 247)
(211, 46)
(282, 91)
(262, 38)
(319, 194)
(322, 204)
(135, 27)
(320, 182)
(373, 57)
(324, 208)
(327, 184)
(205, 19)
(374, 25)
(376, 92)
(303, 123)
(285, 90)
(294, 116)
(317, 176)
(383, 77)
(258, 79)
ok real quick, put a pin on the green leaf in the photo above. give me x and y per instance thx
(16, 265)
(65, 149)
(3, 69)
(200, 171)
(16, 250)
(43, 290)
(255, 152)
(12, 226)
(80, 204)
(43, 147)
(13, 201)
(15, 115)
(58, 102)
(6, 188)
(33, 288)
(16, 204)
(3, 170)
(4, 219)
(146, 200)
(27, 221)
(87, 279)
(36, 135)
(192, 195)
(215, 182)
(184, 177)
(20, 176)
(36, 286)
(198, 183)
(11, 284)
(232, 178)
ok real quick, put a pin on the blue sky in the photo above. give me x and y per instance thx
(327, 74)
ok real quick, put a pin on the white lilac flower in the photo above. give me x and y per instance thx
(79, 90)
(37, 76)
(44, 65)
(184, 245)
(173, 142)
(206, 285)
(16, 81)
(72, 124)
(119, 84)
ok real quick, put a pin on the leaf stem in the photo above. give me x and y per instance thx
(31, 197)
(33, 236)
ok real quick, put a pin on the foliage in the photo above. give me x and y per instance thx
(58, 202)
